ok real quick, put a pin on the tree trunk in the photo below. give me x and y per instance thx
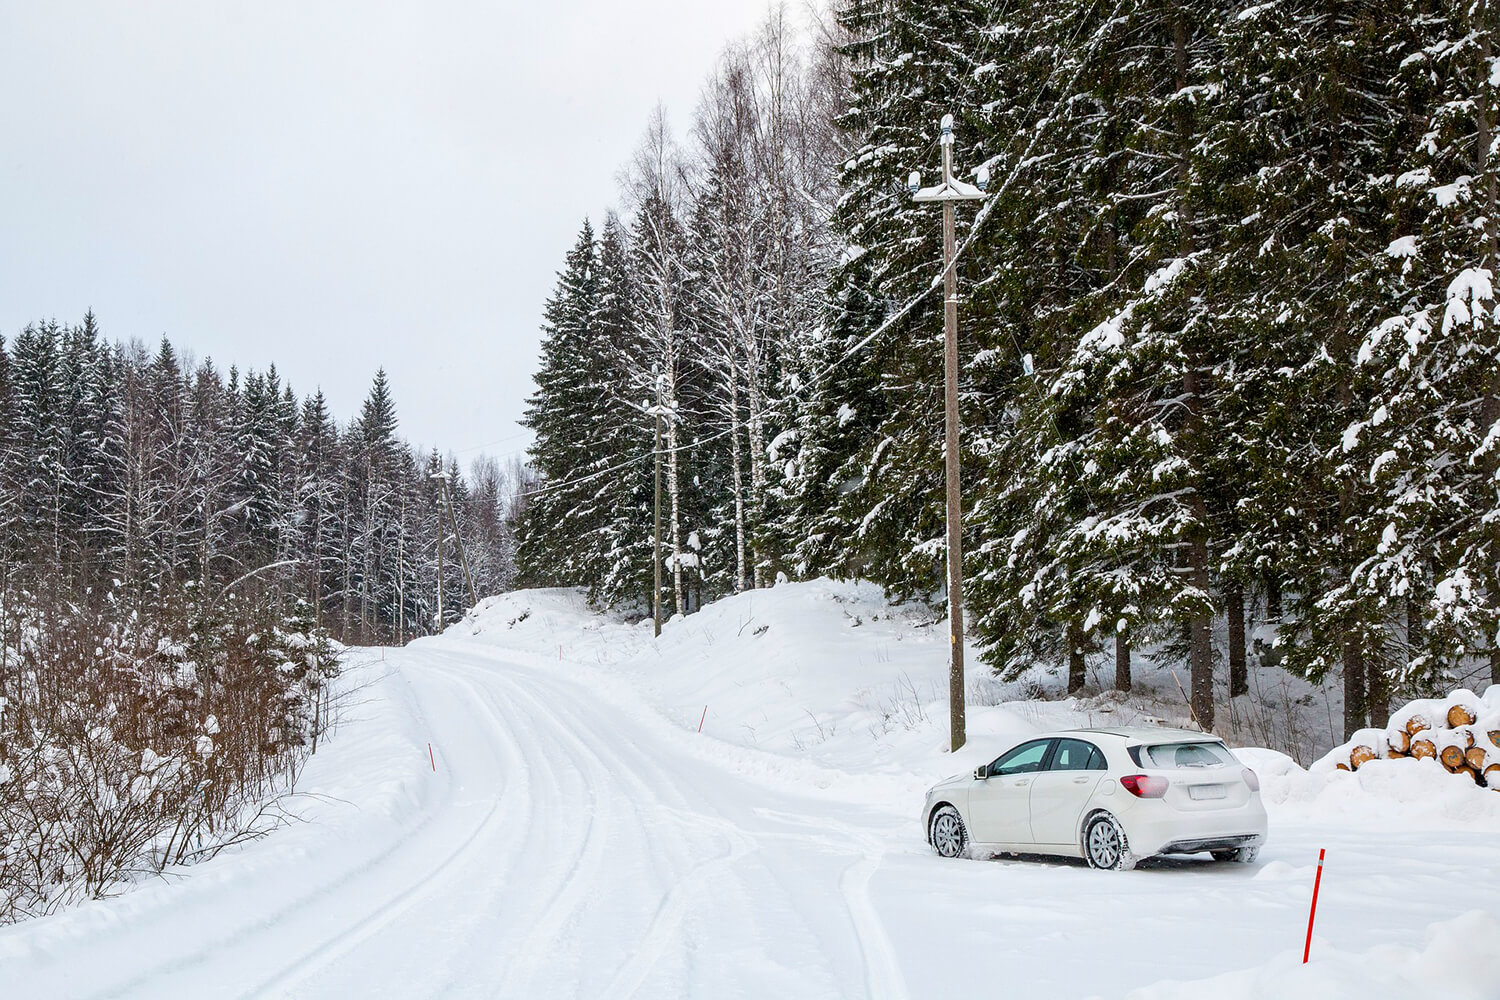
(1200, 644)
(1076, 664)
(1200, 629)
(1379, 697)
(1354, 688)
(1122, 662)
(1273, 599)
(674, 500)
(1416, 635)
(737, 483)
(1239, 675)
(757, 465)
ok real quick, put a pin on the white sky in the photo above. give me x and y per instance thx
(331, 185)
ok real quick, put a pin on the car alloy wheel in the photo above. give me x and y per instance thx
(1104, 845)
(949, 838)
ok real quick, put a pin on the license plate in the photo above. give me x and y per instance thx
(1207, 791)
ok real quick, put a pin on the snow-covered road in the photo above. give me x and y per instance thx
(570, 845)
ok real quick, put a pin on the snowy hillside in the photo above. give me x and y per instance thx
(570, 833)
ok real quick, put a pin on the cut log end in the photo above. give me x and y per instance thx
(1417, 723)
(1361, 755)
(1423, 749)
(1399, 740)
(1452, 758)
(1461, 715)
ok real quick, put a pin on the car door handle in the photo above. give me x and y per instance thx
(1023, 781)
(1080, 781)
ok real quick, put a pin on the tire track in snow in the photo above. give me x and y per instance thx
(883, 977)
(330, 949)
(559, 704)
(151, 980)
(685, 880)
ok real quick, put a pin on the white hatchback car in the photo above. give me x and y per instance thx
(1109, 796)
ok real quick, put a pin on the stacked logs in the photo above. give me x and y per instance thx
(1461, 732)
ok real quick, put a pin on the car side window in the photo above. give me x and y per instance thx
(1023, 759)
(1076, 755)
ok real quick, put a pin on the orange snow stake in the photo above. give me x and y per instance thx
(702, 717)
(432, 757)
(1317, 881)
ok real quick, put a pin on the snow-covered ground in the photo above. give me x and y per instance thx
(579, 837)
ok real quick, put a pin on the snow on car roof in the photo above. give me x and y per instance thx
(1156, 734)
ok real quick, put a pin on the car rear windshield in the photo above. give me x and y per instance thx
(1170, 756)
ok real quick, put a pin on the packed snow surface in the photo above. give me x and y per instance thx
(578, 837)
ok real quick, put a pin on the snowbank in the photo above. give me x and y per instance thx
(827, 672)
(1458, 961)
(1387, 794)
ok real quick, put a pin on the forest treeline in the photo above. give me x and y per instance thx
(1229, 363)
(180, 549)
(135, 472)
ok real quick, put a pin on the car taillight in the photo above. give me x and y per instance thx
(1145, 786)
(1252, 779)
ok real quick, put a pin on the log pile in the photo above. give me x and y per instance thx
(1461, 732)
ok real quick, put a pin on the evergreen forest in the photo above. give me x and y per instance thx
(1229, 376)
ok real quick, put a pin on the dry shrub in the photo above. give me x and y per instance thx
(133, 739)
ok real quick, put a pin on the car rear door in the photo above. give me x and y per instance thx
(1060, 793)
(999, 811)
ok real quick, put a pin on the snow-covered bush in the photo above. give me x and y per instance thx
(136, 738)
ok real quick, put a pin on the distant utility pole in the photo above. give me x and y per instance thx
(458, 539)
(656, 549)
(401, 577)
(948, 193)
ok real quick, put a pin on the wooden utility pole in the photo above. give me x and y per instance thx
(949, 192)
(439, 628)
(656, 549)
(458, 539)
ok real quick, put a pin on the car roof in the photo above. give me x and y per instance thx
(1143, 734)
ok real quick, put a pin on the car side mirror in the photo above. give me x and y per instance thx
(981, 772)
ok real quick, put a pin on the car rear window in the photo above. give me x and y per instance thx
(1171, 756)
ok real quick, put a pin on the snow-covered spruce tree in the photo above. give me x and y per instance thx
(1429, 438)
(1333, 121)
(622, 485)
(879, 434)
(556, 531)
(35, 418)
(1058, 230)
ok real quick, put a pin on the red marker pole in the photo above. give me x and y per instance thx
(702, 717)
(433, 758)
(1317, 881)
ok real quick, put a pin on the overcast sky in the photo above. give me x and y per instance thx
(331, 185)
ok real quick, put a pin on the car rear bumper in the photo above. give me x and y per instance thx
(1227, 843)
(1159, 829)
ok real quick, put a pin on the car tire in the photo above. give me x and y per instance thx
(1105, 846)
(1244, 855)
(947, 833)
